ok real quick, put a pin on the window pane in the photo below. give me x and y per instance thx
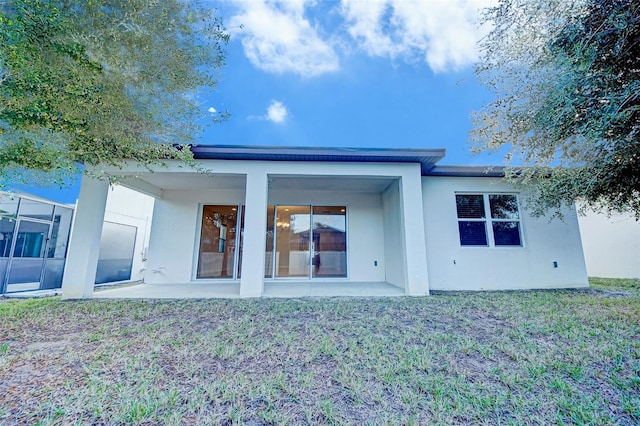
(31, 239)
(53, 270)
(60, 233)
(470, 206)
(8, 214)
(506, 233)
(472, 233)
(3, 270)
(24, 274)
(504, 206)
(35, 209)
(7, 227)
(8, 206)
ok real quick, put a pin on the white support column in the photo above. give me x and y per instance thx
(255, 224)
(417, 281)
(84, 246)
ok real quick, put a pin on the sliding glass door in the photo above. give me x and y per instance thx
(292, 241)
(302, 242)
(307, 242)
(29, 251)
(329, 243)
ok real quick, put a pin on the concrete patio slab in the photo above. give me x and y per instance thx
(232, 290)
(330, 289)
(171, 291)
(32, 294)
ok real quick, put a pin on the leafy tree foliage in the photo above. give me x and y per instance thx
(567, 78)
(100, 81)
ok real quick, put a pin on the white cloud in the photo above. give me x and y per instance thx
(444, 33)
(276, 112)
(279, 36)
(212, 110)
(276, 37)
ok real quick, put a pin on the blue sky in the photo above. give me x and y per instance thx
(383, 73)
(347, 73)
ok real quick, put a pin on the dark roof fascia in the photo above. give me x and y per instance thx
(426, 157)
(467, 171)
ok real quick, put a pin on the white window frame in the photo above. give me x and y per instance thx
(489, 219)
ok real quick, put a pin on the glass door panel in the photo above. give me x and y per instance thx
(329, 242)
(217, 242)
(27, 257)
(57, 251)
(292, 227)
(240, 241)
(268, 251)
(7, 227)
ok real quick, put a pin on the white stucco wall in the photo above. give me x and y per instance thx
(393, 241)
(129, 207)
(611, 244)
(453, 267)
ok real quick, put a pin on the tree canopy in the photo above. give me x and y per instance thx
(566, 74)
(101, 82)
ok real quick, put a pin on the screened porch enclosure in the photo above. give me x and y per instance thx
(33, 243)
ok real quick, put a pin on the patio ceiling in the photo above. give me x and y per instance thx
(330, 183)
(199, 181)
(188, 181)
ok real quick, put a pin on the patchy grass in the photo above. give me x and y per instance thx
(531, 357)
(619, 283)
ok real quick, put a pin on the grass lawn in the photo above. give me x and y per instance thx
(534, 357)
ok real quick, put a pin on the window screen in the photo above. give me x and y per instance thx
(504, 229)
(470, 206)
(472, 232)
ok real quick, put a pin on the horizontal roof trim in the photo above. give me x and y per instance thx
(427, 158)
(467, 171)
(21, 194)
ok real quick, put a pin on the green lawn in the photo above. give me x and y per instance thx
(534, 357)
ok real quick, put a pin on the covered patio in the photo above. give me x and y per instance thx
(263, 214)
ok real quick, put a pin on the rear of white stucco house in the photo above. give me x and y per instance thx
(266, 216)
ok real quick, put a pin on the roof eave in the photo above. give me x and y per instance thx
(427, 158)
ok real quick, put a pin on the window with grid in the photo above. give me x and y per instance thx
(488, 220)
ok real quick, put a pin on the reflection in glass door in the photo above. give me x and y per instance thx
(216, 258)
(292, 241)
(269, 238)
(329, 242)
(240, 242)
(308, 242)
(27, 257)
